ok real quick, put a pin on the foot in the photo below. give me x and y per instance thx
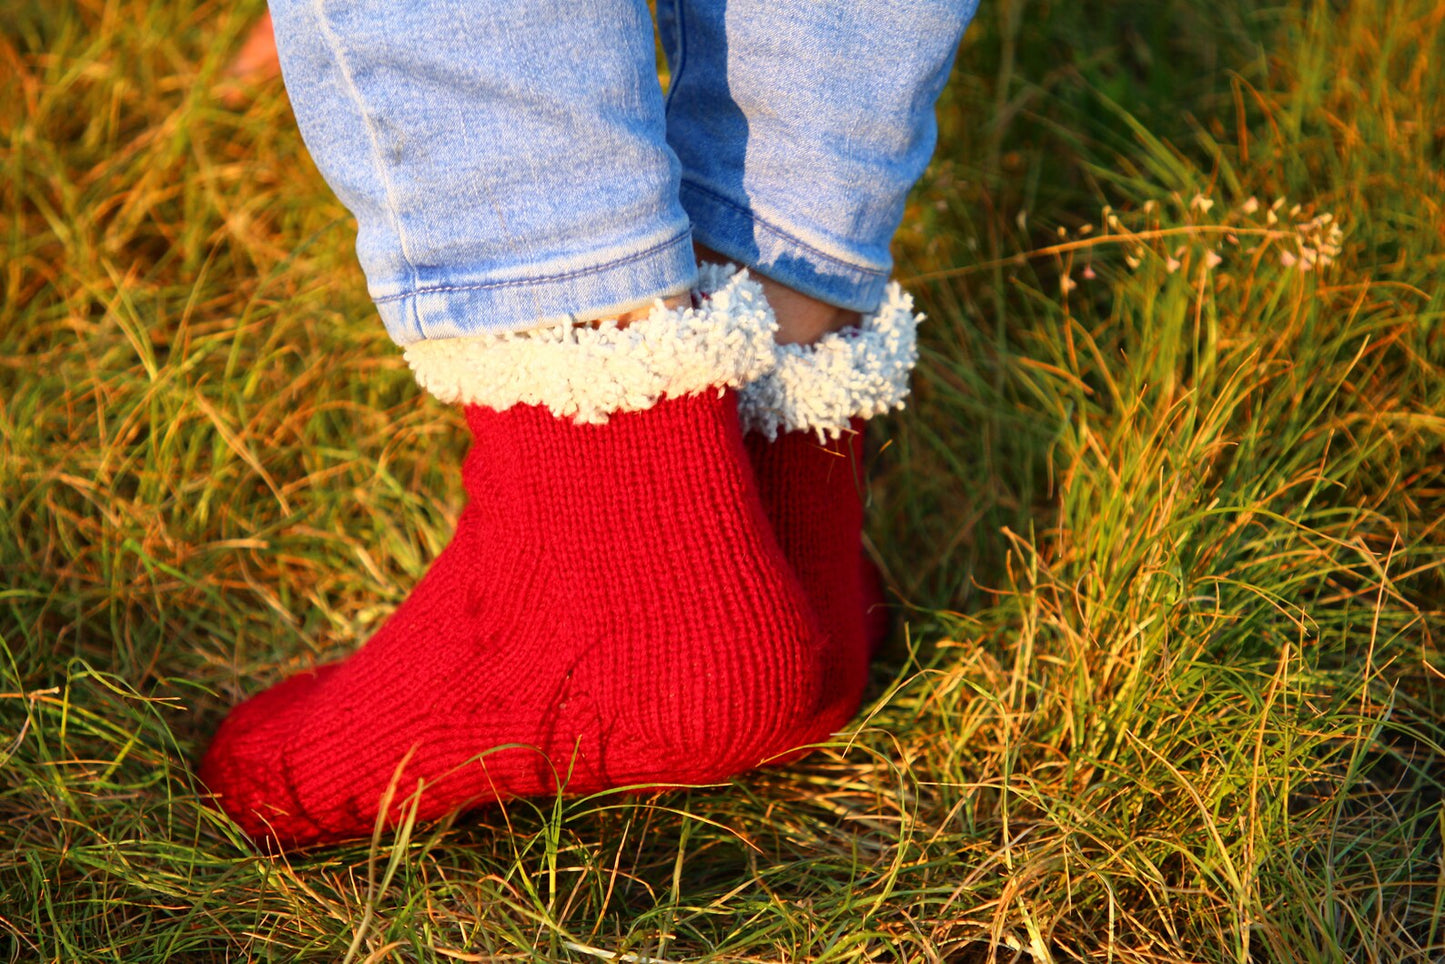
(254, 64)
(811, 492)
(806, 420)
(802, 319)
(613, 611)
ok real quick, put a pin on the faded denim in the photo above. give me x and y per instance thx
(513, 164)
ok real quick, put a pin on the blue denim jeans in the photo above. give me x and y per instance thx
(515, 164)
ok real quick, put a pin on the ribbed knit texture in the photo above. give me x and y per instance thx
(812, 493)
(613, 601)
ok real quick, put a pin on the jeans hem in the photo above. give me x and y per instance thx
(467, 307)
(737, 232)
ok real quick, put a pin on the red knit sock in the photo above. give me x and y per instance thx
(613, 600)
(877, 617)
(813, 494)
(812, 486)
(613, 610)
(811, 491)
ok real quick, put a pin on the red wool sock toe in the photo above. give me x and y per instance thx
(613, 610)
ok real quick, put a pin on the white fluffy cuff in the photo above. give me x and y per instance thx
(854, 373)
(588, 372)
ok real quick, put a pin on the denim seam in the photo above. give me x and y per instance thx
(343, 64)
(680, 33)
(541, 279)
(779, 232)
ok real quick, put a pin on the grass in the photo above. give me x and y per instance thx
(1164, 524)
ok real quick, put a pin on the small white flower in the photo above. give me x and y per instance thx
(1201, 204)
(1066, 284)
(1250, 206)
(1212, 260)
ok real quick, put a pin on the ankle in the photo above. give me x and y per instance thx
(624, 318)
(638, 314)
(802, 319)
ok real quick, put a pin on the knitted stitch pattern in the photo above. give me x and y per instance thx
(811, 494)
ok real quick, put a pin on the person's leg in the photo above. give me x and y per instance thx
(253, 65)
(505, 162)
(801, 129)
(804, 422)
(613, 609)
